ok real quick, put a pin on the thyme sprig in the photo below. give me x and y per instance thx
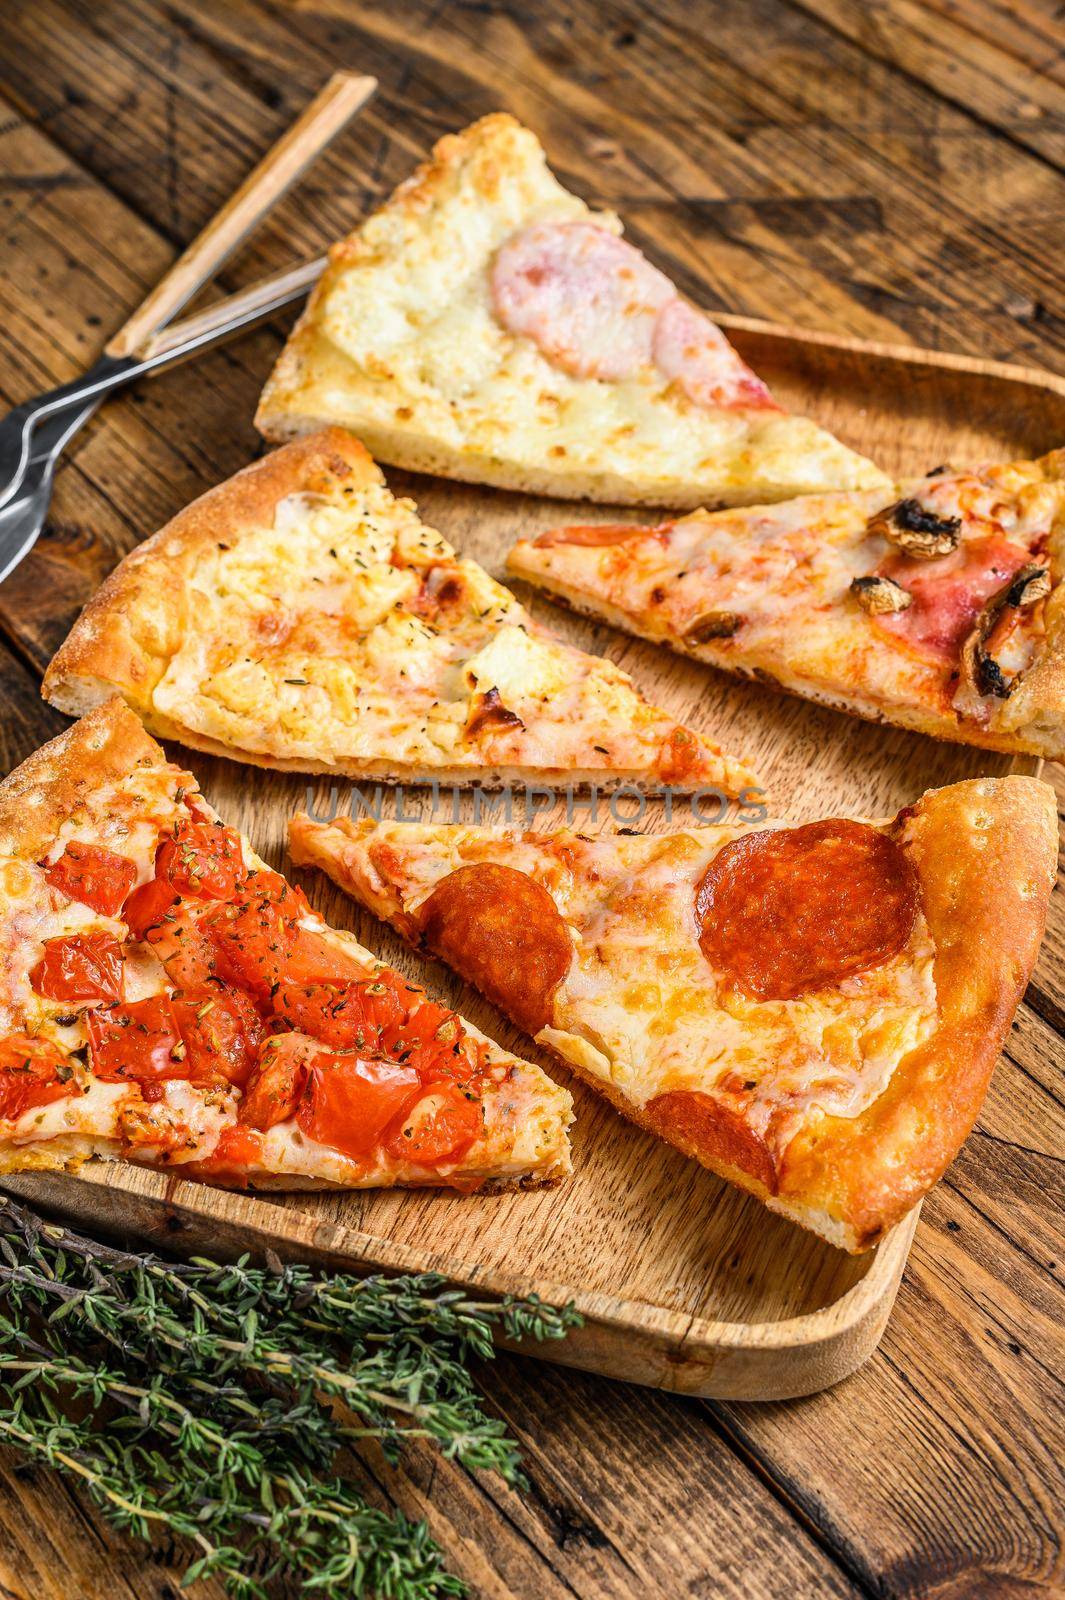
(213, 1401)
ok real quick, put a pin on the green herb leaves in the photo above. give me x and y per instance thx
(213, 1401)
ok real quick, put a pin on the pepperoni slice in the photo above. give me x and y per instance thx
(782, 912)
(586, 298)
(710, 1130)
(501, 930)
(692, 352)
(949, 594)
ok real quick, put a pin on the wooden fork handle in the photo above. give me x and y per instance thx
(323, 119)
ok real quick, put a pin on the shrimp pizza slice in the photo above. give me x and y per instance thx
(811, 1011)
(168, 999)
(940, 609)
(487, 325)
(299, 617)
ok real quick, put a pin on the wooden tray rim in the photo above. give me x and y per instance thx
(886, 350)
(689, 1333)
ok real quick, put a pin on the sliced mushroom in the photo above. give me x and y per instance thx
(713, 625)
(879, 596)
(488, 711)
(916, 532)
(979, 669)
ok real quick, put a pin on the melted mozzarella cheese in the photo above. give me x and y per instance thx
(314, 643)
(640, 1007)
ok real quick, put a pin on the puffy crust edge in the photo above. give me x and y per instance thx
(38, 796)
(136, 621)
(985, 853)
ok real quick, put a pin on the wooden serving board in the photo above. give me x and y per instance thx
(684, 1282)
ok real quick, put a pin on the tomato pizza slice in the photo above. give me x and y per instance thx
(939, 608)
(165, 997)
(486, 324)
(811, 1011)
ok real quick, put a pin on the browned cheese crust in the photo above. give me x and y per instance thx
(47, 789)
(136, 620)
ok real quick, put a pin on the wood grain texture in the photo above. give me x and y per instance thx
(856, 169)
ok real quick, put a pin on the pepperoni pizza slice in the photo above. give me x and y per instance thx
(812, 1011)
(485, 324)
(168, 999)
(298, 616)
(940, 608)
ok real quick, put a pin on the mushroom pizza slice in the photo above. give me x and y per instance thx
(940, 609)
(168, 999)
(813, 1011)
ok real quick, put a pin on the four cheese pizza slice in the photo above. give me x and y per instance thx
(941, 609)
(485, 324)
(168, 999)
(299, 617)
(811, 1011)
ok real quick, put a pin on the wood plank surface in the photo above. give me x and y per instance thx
(814, 162)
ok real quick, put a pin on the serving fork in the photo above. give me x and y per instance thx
(34, 434)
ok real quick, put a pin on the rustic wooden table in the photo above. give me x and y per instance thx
(888, 169)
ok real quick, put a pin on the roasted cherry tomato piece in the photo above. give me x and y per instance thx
(33, 1072)
(252, 941)
(202, 859)
(189, 956)
(439, 1127)
(97, 877)
(139, 1042)
(83, 966)
(260, 946)
(434, 1042)
(344, 1016)
(278, 1081)
(238, 1147)
(269, 885)
(312, 959)
(147, 906)
(221, 1031)
(350, 1102)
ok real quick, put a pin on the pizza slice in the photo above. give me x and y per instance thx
(168, 999)
(485, 324)
(813, 1011)
(299, 617)
(939, 608)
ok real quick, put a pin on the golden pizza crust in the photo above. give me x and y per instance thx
(137, 619)
(454, 402)
(47, 789)
(984, 853)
